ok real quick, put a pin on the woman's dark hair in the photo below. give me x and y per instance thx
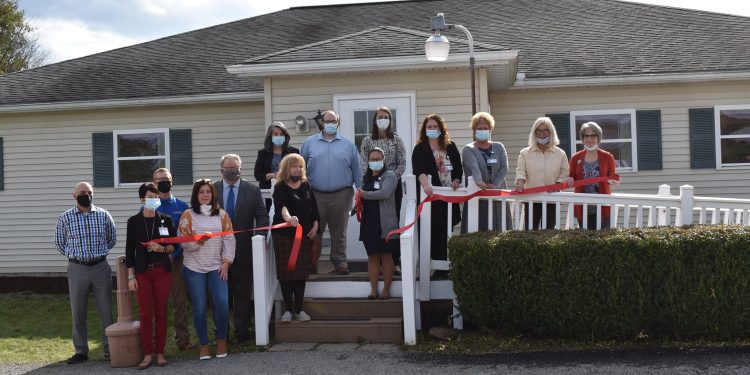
(375, 130)
(146, 187)
(368, 175)
(444, 138)
(196, 205)
(268, 144)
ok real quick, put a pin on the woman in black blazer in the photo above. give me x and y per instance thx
(275, 147)
(437, 156)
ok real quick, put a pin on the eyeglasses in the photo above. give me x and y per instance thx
(540, 130)
(383, 118)
(231, 169)
(590, 136)
(162, 179)
(203, 180)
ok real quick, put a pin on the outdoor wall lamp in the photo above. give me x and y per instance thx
(437, 47)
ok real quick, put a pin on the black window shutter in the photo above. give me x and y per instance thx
(2, 164)
(702, 151)
(562, 126)
(104, 168)
(648, 132)
(181, 155)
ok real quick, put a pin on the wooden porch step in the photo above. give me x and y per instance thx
(353, 308)
(380, 330)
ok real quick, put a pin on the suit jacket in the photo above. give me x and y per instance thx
(263, 165)
(249, 212)
(606, 169)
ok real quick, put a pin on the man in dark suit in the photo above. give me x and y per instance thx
(243, 202)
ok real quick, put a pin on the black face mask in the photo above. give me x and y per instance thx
(295, 178)
(232, 175)
(165, 186)
(84, 200)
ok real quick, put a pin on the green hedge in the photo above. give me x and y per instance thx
(681, 283)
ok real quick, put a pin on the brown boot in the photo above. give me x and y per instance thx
(204, 353)
(221, 348)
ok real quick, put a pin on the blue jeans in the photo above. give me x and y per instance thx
(197, 284)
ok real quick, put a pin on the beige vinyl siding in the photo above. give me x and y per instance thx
(46, 154)
(446, 93)
(515, 111)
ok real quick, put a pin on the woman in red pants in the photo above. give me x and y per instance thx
(149, 270)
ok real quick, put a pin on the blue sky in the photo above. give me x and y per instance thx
(73, 28)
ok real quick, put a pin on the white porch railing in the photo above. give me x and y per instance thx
(265, 284)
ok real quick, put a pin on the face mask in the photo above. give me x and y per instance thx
(383, 123)
(591, 148)
(330, 128)
(206, 209)
(84, 200)
(376, 165)
(152, 204)
(482, 135)
(278, 140)
(433, 133)
(294, 178)
(542, 141)
(164, 186)
(231, 175)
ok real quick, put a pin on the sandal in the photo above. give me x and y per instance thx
(145, 363)
(373, 296)
(385, 296)
(161, 361)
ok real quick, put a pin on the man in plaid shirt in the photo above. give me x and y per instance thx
(85, 234)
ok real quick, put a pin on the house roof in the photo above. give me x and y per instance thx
(386, 41)
(556, 38)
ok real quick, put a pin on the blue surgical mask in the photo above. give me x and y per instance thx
(278, 140)
(376, 165)
(543, 141)
(433, 133)
(330, 128)
(482, 135)
(152, 203)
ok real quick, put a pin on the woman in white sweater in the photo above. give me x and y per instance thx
(206, 264)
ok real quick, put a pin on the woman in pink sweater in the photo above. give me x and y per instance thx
(206, 264)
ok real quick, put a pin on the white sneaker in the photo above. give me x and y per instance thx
(286, 316)
(302, 316)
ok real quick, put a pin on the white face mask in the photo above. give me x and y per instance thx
(206, 209)
(152, 203)
(591, 148)
(542, 141)
(383, 123)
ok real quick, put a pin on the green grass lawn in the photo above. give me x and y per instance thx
(37, 328)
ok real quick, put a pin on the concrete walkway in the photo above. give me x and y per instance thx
(388, 359)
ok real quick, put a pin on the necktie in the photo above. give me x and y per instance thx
(230, 202)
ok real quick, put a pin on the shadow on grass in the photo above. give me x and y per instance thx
(37, 328)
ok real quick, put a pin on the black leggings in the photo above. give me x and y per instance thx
(294, 288)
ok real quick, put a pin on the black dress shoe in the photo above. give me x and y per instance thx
(107, 357)
(77, 358)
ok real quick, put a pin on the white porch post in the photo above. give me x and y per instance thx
(473, 207)
(664, 191)
(686, 205)
(261, 290)
(425, 266)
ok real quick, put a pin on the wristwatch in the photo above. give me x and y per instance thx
(131, 277)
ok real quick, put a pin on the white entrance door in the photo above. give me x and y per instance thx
(356, 113)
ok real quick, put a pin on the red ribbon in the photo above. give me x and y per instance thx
(497, 193)
(292, 258)
(359, 204)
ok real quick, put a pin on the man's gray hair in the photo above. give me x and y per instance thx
(230, 156)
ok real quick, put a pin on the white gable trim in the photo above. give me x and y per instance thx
(372, 64)
(636, 79)
(141, 102)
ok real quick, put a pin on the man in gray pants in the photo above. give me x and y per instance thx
(85, 234)
(332, 168)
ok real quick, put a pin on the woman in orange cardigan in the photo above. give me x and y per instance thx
(592, 162)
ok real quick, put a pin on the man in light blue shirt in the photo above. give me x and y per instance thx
(332, 168)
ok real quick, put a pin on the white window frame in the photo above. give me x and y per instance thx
(718, 137)
(117, 157)
(633, 135)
